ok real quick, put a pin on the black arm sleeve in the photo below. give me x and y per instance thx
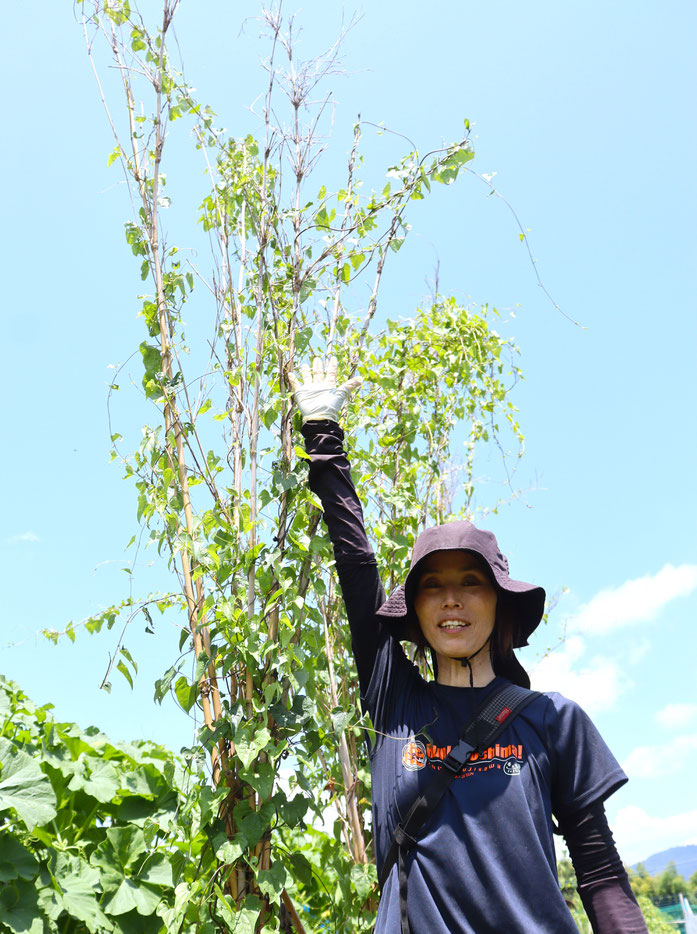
(330, 479)
(602, 880)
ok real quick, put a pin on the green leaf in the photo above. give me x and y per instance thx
(248, 747)
(302, 710)
(19, 909)
(261, 779)
(80, 891)
(16, 861)
(185, 693)
(242, 920)
(122, 848)
(24, 787)
(98, 779)
(272, 881)
(229, 851)
(129, 896)
(157, 871)
(293, 810)
(125, 672)
(253, 824)
(340, 720)
(364, 879)
(162, 684)
(137, 43)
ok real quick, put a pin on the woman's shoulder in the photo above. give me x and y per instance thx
(561, 705)
(565, 721)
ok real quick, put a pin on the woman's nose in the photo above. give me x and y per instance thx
(451, 598)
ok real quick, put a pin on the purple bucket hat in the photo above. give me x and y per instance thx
(527, 600)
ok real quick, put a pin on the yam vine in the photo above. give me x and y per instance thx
(294, 268)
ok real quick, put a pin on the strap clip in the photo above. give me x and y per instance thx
(457, 756)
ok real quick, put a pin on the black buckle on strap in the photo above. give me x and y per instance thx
(402, 838)
(457, 756)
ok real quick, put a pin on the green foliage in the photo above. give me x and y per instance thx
(670, 883)
(664, 887)
(656, 922)
(644, 886)
(92, 831)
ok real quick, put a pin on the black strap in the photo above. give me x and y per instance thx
(483, 728)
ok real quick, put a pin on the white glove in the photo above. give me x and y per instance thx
(317, 396)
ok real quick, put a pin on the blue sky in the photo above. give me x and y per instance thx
(583, 111)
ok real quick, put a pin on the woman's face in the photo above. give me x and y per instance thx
(455, 603)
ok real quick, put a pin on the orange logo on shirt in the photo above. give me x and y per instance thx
(414, 756)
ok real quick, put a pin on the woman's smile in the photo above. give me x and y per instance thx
(453, 625)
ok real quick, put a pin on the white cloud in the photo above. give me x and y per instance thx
(662, 759)
(637, 650)
(676, 716)
(21, 538)
(635, 601)
(595, 685)
(638, 835)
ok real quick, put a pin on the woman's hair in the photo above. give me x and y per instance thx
(505, 631)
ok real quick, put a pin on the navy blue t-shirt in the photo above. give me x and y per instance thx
(485, 860)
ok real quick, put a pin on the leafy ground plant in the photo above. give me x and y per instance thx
(97, 836)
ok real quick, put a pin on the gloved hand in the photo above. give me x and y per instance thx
(317, 395)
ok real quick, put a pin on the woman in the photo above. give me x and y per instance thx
(484, 860)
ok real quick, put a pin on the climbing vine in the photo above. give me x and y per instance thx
(220, 473)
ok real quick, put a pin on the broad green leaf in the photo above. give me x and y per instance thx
(185, 692)
(261, 778)
(24, 787)
(272, 881)
(248, 748)
(364, 879)
(255, 823)
(16, 861)
(80, 895)
(157, 871)
(293, 810)
(128, 844)
(101, 781)
(241, 920)
(340, 720)
(129, 896)
(229, 851)
(19, 908)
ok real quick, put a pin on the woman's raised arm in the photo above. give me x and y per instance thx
(320, 401)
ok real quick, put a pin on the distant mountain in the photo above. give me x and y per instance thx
(684, 857)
